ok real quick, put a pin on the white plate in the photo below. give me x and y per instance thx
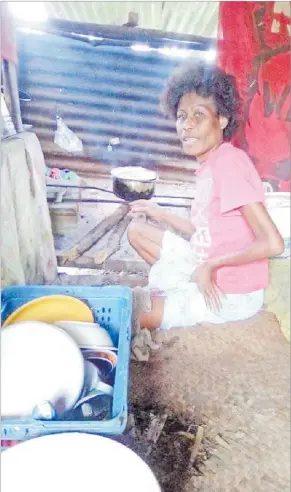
(40, 362)
(86, 335)
(74, 462)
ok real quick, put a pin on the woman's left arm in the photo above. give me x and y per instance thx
(267, 241)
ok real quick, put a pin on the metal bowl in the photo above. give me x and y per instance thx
(133, 183)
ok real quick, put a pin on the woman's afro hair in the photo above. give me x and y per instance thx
(206, 81)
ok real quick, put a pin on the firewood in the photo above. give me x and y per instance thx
(114, 240)
(197, 444)
(93, 236)
(155, 430)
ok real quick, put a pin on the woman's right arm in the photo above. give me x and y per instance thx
(180, 224)
(161, 214)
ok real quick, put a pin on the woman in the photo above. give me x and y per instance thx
(221, 272)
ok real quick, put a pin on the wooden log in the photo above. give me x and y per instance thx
(114, 240)
(93, 236)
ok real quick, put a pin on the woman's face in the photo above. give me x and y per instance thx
(199, 127)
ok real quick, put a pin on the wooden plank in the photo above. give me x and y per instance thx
(130, 266)
(101, 278)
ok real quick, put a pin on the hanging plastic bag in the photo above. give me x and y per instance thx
(66, 138)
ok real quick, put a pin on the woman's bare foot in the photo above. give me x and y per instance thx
(153, 319)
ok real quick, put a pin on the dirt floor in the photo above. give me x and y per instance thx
(169, 452)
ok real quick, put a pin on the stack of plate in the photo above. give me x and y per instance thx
(43, 355)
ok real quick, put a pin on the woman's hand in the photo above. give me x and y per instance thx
(150, 209)
(203, 277)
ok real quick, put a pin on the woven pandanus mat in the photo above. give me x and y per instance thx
(234, 380)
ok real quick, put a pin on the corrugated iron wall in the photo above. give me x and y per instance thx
(195, 17)
(100, 92)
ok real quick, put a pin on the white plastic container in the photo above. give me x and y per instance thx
(278, 206)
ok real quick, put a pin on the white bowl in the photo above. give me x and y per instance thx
(278, 206)
(86, 335)
(39, 362)
(74, 462)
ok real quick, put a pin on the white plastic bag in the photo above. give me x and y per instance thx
(66, 138)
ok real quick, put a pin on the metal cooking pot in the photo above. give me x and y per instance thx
(133, 183)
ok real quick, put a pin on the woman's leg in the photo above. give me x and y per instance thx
(152, 320)
(146, 240)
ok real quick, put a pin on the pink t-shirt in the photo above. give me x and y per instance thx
(227, 181)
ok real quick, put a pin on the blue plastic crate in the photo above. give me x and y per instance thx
(112, 309)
